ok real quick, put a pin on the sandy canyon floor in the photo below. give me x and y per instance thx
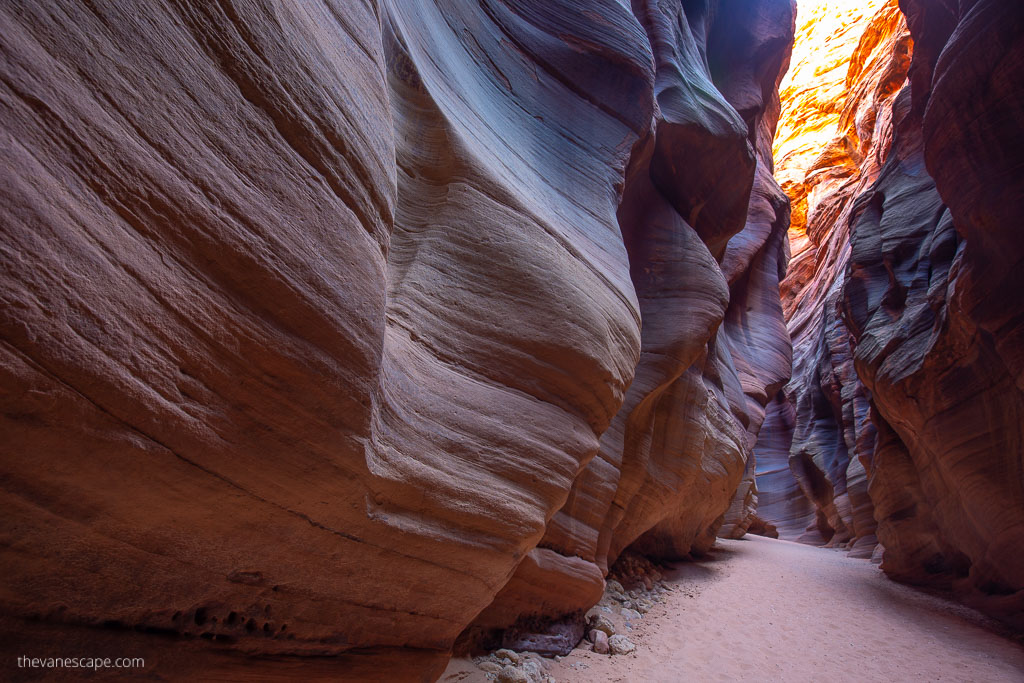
(767, 610)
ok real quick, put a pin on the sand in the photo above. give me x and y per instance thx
(768, 610)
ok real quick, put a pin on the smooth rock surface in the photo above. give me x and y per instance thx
(321, 322)
(818, 441)
(297, 332)
(936, 311)
(906, 393)
(714, 345)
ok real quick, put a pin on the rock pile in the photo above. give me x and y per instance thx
(509, 666)
(635, 585)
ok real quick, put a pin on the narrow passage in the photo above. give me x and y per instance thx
(768, 610)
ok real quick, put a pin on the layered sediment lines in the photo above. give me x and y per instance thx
(906, 394)
(834, 136)
(334, 330)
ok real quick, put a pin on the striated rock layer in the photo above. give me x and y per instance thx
(834, 136)
(706, 253)
(321, 322)
(935, 308)
(908, 340)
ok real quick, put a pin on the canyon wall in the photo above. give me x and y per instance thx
(904, 412)
(335, 330)
(833, 139)
(706, 254)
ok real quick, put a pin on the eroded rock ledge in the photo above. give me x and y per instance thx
(333, 329)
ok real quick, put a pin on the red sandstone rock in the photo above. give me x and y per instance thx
(818, 439)
(315, 316)
(307, 329)
(907, 330)
(713, 344)
(934, 306)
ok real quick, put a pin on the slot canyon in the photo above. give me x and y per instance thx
(519, 341)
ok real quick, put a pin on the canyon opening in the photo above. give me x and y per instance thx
(534, 341)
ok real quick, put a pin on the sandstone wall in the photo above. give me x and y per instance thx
(932, 300)
(906, 389)
(834, 136)
(322, 321)
(706, 255)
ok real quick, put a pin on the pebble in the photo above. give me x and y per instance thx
(510, 655)
(489, 667)
(600, 622)
(511, 674)
(629, 614)
(620, 645)
(601, 642)
(535, 669)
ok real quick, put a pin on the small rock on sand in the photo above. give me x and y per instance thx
(511, 674)
(630, 614)
(620, 645)
(600, 622)
(510, 655)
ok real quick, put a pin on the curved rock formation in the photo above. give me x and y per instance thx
(907, 339)
(315, 316)
(713, 345)
(834, 136)
(932, 301)
(261, 385)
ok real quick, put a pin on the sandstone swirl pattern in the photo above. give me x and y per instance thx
(906, 387)
(834, 137)
(322, 321)
(942, 332)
